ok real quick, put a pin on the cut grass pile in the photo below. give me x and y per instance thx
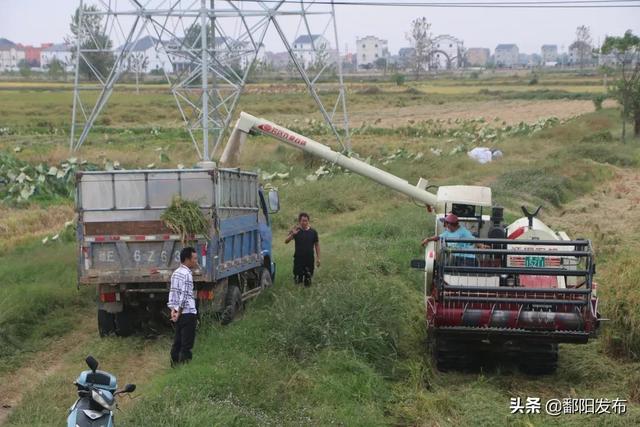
(184, 217)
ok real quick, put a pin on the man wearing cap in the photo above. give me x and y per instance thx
(453, 230)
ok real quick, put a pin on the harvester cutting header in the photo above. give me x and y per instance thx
(522, 288)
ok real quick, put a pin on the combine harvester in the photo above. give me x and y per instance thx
(528, 289)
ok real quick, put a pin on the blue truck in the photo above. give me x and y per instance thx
(127, 252)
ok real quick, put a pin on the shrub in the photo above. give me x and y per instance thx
(370, 90)
(610, 153)
(413, 91)
(598, 100)
(604, 136)
(399, 79)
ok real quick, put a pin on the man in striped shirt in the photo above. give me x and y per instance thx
(183, 307)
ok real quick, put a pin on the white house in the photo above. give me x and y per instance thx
(549, 54)
(228, 51)
(61, 52)
(10, 55)
(447, 52)
(307, 47)
(145, 58)
(369, 49)
(507, 55)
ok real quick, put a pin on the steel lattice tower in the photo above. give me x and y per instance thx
(209, 66)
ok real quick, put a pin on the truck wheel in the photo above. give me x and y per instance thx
(124, 323)
(265, 279)
(538, 358)
(106, 323)
(233, 305)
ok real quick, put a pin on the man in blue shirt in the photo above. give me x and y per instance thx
(453, 230)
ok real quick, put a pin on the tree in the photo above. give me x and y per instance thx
(25, 70)
(421, 40)
(626, 50)
(93, 37)
(56, 69)
(138, 63)
(381, 64)
(227, 50)
(321, 57)
(582, 46)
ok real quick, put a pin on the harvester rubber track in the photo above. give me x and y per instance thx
(452, 354)
(538, 358)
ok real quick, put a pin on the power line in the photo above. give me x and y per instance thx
(568, 4)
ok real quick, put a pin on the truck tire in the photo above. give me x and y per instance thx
(124, 323)
(265, 279)
(233, 305)
(106, 323)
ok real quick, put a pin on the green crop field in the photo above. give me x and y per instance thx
(351, 350)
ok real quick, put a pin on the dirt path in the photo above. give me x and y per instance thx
(39, 367)
(610, 215)
(512, 112)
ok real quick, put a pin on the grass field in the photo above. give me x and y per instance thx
(350, 350)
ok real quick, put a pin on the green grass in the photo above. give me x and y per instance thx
(351, 349)
(621, 299)
(132, 360)
(38, 298)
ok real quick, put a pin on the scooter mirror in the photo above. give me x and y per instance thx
(92, 363)
(129, 388)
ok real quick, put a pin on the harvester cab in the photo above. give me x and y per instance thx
(520, 288)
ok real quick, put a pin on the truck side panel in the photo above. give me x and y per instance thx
(239, 240)
(237, 223)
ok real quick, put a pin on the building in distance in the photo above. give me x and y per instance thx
(369, 50)
(507, 55)
(477, 56)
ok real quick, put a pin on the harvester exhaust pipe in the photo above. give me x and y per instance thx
(248, 123)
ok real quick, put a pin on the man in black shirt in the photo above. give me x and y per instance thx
(306, 239)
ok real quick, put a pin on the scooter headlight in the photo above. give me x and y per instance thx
(102, 400)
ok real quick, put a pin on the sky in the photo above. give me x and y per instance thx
(37, 21)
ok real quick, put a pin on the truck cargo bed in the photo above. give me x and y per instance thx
(123, 240)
